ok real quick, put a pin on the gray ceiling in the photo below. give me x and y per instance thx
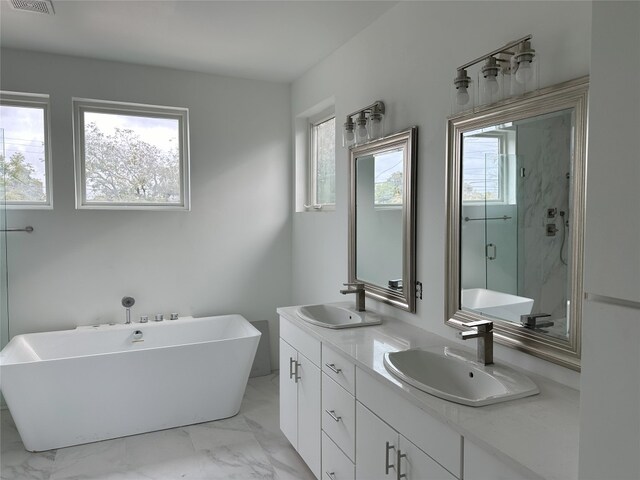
(269, 40)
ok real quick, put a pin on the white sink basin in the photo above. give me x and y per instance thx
(334, 316)
(451, 375)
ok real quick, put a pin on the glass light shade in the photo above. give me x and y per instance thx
(524, 74)
(462, 97)
(348, 134)
(362, 135)
(376, 125)
(490, 87)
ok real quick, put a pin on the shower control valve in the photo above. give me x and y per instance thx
(159, 317)
(174, 316)
(144, 318)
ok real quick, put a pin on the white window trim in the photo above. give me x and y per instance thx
(41, 101)
(311, 197)
(81, 105)
(504, 169)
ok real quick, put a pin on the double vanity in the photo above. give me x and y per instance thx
(354, 404)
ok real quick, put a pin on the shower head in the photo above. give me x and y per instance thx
(128, 302)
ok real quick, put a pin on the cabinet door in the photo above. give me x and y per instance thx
(376, 446)
(288, 394)
(480, 465)
(417, 465)
(309, 438)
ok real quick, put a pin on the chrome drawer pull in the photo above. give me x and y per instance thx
(399, 463)
(387, 466)
(332, 414)
(332, 367)
(293, 370)
(291, 362)
(331, 475)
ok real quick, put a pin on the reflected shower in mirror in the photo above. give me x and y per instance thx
(515, 221)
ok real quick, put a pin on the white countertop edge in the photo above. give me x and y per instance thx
(477, 423)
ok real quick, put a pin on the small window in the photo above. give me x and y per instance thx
(131, 156)
(322, 168)
(25, 165)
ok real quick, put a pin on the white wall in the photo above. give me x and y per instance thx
(610, 381)
(408, 58)
(230, 253)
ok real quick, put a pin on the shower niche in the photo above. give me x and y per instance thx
(515, 214)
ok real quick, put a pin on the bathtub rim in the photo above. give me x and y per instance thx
(252, 333)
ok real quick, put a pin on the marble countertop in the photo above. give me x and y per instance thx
(537, 434)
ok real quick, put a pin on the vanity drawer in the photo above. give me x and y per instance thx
(338, 368)
(339, 416)
(335, 464)
(300, 340)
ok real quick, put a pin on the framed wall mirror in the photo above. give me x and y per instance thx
(515, 213)
(382, 220)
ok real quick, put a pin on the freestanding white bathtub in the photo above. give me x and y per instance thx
(94, 383)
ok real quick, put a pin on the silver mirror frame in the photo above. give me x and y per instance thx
(568, 95)
(408, 140)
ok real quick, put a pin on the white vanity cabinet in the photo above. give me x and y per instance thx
(481, 465)
(300, 393)
(383, 453)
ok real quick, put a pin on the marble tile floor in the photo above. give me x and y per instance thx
(247, 446)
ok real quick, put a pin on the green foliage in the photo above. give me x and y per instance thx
(121, 167)
(17, 183)
(389, 192)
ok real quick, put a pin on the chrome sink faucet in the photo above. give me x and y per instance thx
(483, 331)
(358, 289)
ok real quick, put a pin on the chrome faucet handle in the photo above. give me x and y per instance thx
(173, 316)
(481, 325)
(144, 318)
(159, 317)
(530, 320)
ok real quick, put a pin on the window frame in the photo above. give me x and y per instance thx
(82, 105)
(34, 100)
(312, 162)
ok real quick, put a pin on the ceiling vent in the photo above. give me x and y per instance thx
(36, 6)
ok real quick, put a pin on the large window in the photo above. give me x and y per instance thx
(322, 168)
(131, 156)
(25, 176)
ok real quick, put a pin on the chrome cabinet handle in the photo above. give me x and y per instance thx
(331, 475)
(332, 414)
(399, 463)
(332, 367)
(387, 466)
(293, 369)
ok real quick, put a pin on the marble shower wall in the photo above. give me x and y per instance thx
(544, 150)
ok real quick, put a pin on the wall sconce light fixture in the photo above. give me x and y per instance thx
(508, 70)
(368, 125)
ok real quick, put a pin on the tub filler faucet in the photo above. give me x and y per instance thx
(358, 289)
(127, 303)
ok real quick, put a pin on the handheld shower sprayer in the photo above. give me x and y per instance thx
(128, 302)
